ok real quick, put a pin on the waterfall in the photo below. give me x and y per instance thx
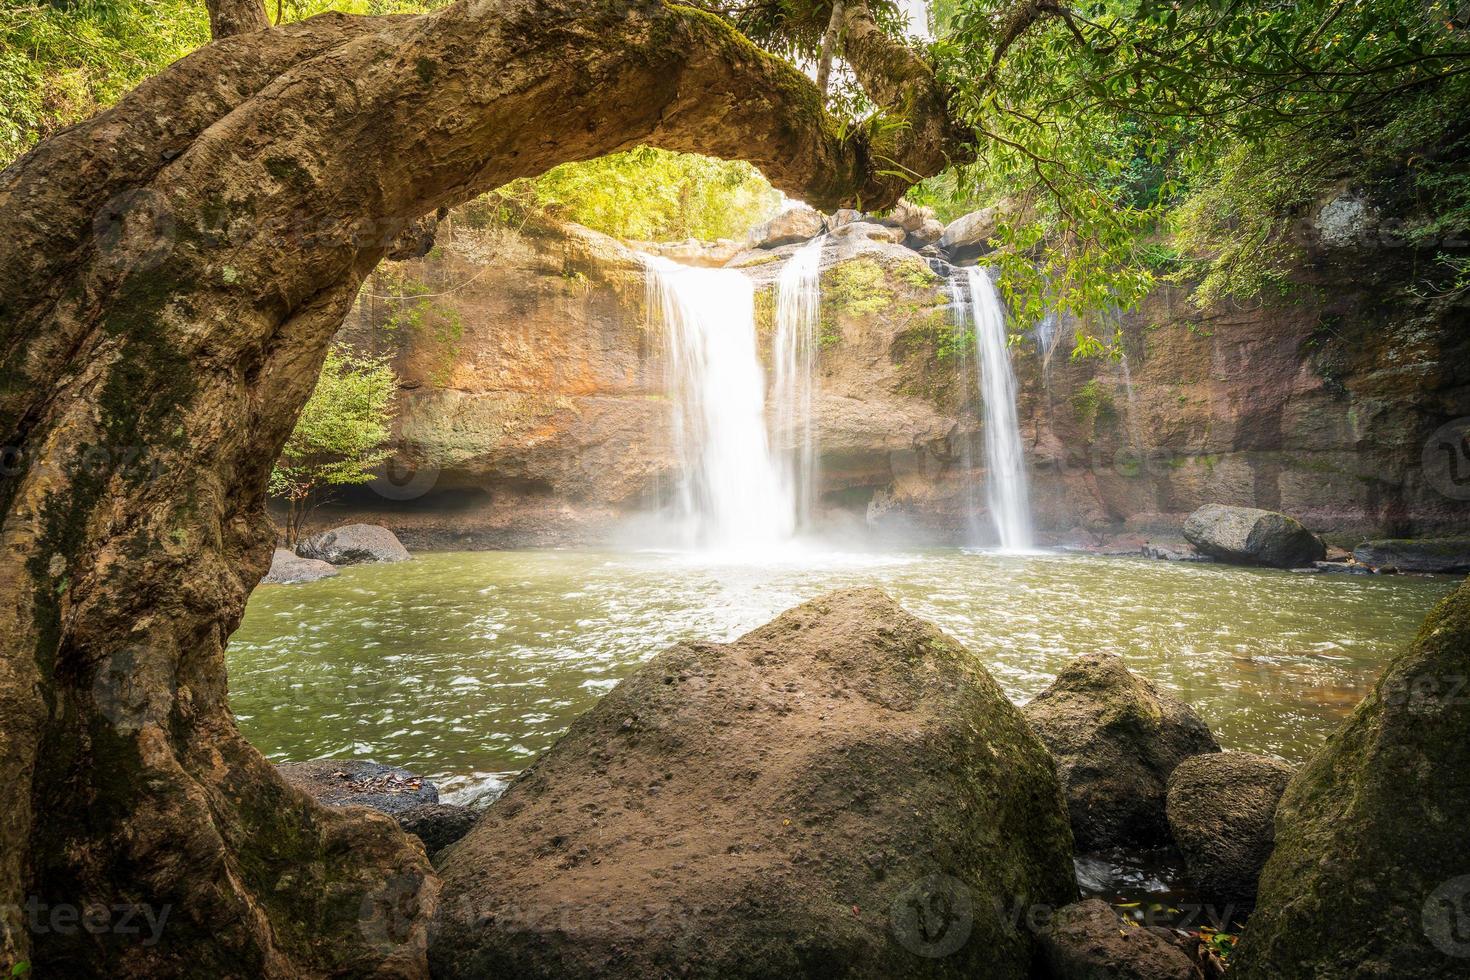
(731, 493)
(1005, 462)
(794, 357)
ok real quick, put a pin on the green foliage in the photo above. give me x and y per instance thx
(645, 194)
(61, 62)
(417, 314)
(64, 60)
(338, 437)
(858, 287)
(1101, 125)
(1092, 403)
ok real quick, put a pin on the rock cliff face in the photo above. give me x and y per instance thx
(534, 407)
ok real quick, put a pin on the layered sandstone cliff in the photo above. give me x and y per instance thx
(534, 406)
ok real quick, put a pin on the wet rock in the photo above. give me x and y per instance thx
(793, 225)
(289, 568)
(354, 544)
(356, 782)
(1253, 536)
(437, 824)
(1116, 739)
(844, 216)
(1160, 552)
(843, 791)
(1370, 873)
(968, 237)
(1221, 810)
(1450, 555)
(1089, 941)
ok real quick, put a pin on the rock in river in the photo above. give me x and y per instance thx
(287, 567)
(1253, 536)
(843, 792)
(1450, 555)
(1116, 739)
(354, 544)
(1222, 811)
(356, 782)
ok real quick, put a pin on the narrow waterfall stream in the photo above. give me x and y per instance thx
(1005, 462)
(794, 356)
(731, 494)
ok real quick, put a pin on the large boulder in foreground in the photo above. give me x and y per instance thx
(1222, 810)
(289, 568)
(1251, 536)
(1088, 941)
(1116, 739)
(353, 544)
(1371, 875)
(843, 792)
(1449, 555)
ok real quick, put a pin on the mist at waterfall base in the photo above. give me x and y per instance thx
(747, 481)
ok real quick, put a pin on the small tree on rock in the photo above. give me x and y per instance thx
(339, 437)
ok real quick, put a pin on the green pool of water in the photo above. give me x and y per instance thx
(467, 665)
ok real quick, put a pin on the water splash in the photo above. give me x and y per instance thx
(1006, 490)
(731, 494)
(794, 357)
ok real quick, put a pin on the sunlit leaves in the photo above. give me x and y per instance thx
(653, 195)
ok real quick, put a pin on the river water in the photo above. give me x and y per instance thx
(465, 666)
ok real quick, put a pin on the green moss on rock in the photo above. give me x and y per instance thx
(1370, 873)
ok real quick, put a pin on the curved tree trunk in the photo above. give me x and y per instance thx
(171, 274)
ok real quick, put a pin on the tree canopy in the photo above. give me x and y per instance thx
(1129, 139)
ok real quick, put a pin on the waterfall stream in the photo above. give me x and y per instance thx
(794, 363)
(731, 492)
(1005, 462)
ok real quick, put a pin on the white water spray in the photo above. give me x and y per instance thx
(731, 493)
(794, 356)
(1006, 490)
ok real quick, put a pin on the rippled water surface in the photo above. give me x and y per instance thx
(466, 665)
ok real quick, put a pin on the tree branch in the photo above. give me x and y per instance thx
(228, 18)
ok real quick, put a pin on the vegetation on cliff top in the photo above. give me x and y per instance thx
(1216, 121)
(338, 436)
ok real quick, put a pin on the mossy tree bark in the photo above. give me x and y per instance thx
(171, 274)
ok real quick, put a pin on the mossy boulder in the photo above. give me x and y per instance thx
(1221, 810)
(1370, 876)
(1251, 536)
(843, 792)
(1116, 739)
(1416, 555)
